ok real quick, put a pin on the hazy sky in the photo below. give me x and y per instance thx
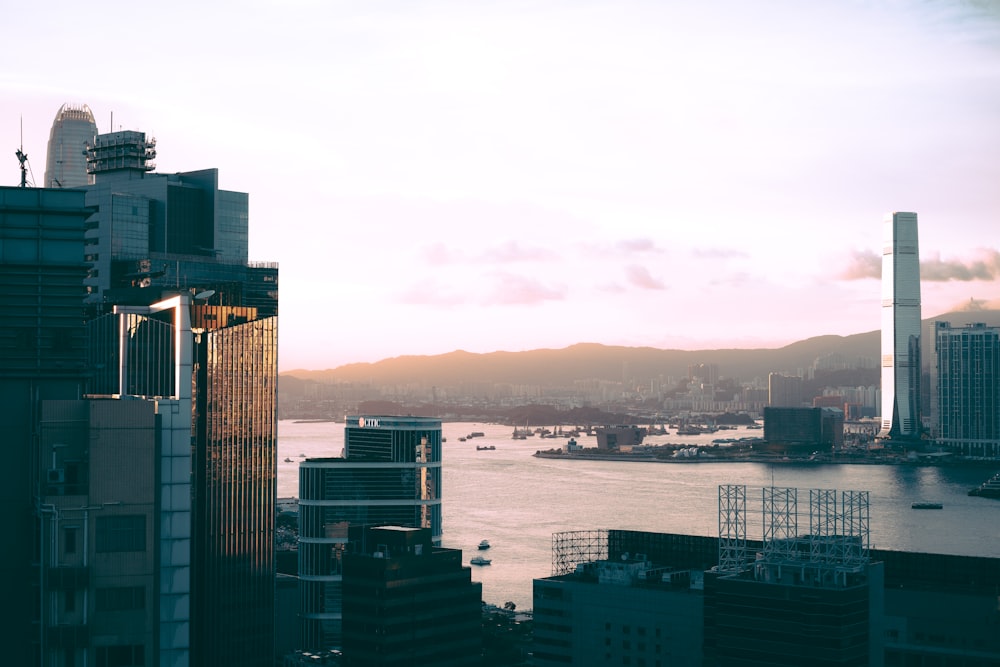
(445, 175)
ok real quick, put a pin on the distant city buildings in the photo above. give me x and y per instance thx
(965, 407)
(784, 391)
(73, 131)
(900, 328)
(390, 474)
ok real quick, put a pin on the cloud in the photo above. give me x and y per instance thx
(984, 266)
(639, 276)
(862, 264)
(513, 252)
(439, 253)
(718, 253)
(514, 290)
(637, 245)
(429, 293)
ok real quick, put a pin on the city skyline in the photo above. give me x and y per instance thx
(493, 177)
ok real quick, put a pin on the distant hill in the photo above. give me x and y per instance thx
(591, 361)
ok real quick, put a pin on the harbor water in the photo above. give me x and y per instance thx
(517, 501)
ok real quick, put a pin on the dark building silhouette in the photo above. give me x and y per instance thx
(407, 602)
(803, 429)
(42, 357)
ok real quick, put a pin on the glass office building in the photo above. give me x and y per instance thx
(65, 162)
(900, 328)
(391, 475)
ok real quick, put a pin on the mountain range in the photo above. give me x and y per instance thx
(592, 361)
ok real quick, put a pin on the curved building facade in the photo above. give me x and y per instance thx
(391, 475)
(900, 327)
(66, 160)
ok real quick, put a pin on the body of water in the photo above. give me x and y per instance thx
(517, 501)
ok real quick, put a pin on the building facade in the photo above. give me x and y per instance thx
(965, 410)
(73, 130)
(900, 328)
(407, 602)
(784, 391)
(43, 356)
(390, 475)
(168, 231)
(807, 429)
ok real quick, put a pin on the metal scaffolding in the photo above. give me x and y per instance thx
(823, 519)
(732, 527)
(573, 548)
(855, 526)
(781, 521)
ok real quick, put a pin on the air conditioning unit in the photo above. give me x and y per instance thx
(57, 476)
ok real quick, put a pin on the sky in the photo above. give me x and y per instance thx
(462, 174)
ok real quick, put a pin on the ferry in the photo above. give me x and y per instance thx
(480, 560)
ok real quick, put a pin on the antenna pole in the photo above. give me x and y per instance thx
(22, 158)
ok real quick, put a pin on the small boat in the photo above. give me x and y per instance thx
(927, 506)
(485, 448)
(485, 544)
(287, 460)
(479, 560)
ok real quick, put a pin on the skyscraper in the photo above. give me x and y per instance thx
(65, 162)
(965, 408)
(42, 356)
(900, 328)
(173, 231)
(391, 475)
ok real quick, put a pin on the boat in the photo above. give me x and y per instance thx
(485, 544)
(479, 560)
(988, 489)
(927, 506)
(287, 460)
(485, 448)
(477, 434)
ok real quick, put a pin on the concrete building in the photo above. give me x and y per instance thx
(407, 602)
(784, 391)
(900, 328)
(390, 475)
(73, 130)
(965, 406)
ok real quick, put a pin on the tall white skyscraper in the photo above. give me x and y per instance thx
(66, 161)
(900, 327)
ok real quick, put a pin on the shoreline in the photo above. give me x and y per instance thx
(648, 458)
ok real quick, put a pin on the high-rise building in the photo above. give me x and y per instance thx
(407, 602)
(784, 391)
(965, 408)
(42, 357)
(900, 328)
(169, 231)
(73, 130)
(390, 475)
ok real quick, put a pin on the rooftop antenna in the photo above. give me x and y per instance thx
(22, 157)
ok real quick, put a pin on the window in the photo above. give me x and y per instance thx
(121, 656)
(69, 601)
(69, 540)
(121, 533)
(120, 598)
